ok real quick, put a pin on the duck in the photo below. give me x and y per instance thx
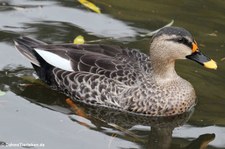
(121, 78)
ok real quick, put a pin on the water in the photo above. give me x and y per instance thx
(32, 113)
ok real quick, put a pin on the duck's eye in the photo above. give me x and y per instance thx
(181, 40)
(184, 41)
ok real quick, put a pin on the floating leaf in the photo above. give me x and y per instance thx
(90, 5)
(153, 32)
(79, 40)
(2, 93)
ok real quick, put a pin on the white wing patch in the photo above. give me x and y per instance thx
(55, 60)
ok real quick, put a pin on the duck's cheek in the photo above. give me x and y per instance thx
(182, 55)
(183, 58)
(185, 54)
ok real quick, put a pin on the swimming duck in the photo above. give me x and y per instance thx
(122, 78)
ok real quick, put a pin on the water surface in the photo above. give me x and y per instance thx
(32, 113)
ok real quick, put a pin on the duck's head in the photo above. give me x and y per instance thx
(172, 43)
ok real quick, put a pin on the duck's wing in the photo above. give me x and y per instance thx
(122, 64)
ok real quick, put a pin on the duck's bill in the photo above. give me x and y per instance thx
(203, 60)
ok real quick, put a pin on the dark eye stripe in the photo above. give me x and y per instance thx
(183, 41)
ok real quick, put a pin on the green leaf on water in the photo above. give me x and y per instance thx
(79, 40)
(2, 93)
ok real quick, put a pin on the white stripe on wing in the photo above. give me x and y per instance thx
(55, 60)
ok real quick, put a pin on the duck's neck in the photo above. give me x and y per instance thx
(164, 71)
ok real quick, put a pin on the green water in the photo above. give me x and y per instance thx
(32, 113)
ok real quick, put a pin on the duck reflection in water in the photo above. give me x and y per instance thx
(161, 128)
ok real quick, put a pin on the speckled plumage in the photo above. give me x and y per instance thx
(116, 77)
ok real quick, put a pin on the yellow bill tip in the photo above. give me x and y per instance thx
(211, 64)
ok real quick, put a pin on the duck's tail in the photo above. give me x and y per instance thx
(26, 46)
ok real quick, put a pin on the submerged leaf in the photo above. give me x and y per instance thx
(2, 93)
(223, 59)
(79, 40)
(212, 34)
(90, 5)
(79, 111)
